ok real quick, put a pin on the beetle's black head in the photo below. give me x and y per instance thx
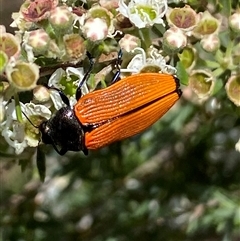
(64, 132)
(43, 128)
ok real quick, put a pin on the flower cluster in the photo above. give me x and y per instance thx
(53, 37)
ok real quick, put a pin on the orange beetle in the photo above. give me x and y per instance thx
(104, 116)
(126, 108)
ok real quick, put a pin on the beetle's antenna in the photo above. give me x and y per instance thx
(62, 95)
(30, 120)
(117, 65)
(85, 77)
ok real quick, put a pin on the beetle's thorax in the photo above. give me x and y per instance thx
(63, 131)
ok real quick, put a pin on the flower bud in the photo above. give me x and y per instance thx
(23, 76)
(61, 18)
(95, 29)
(174, 40)
(109, 4)
(233, 89)
(74, 45)
(97, 23)
(39, 41)
(41, 93)
(9, 44)
(202, 83)
(210, 43)
(234, 22)
(129, 42)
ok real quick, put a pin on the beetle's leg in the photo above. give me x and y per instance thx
(84, 148)
(61, 151)
(85, 151)
(117, 64)
(85, 78)
(62, 95)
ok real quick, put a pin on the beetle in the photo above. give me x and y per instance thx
(121, 110)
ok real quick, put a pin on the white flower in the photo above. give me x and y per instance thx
(12, 130)
(54, 81)
(34, 111)
(17, 134)
(156, 61)
(144, 13)
(79, 72)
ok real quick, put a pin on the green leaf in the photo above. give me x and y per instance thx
(226, 7)
(218, 86)
(212, 64)
(182, 73)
